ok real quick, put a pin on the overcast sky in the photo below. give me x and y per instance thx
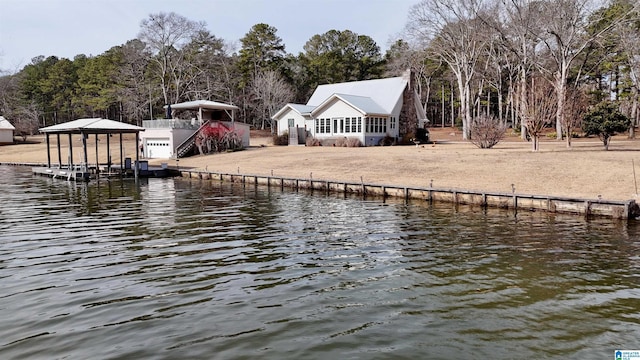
(66, 28)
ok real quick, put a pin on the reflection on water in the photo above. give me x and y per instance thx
(174, 268)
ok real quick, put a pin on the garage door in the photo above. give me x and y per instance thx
(158, 148)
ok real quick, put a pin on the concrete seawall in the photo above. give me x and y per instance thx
(624, 210)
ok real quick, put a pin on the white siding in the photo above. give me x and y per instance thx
(283, 122)
(337, 108)
(6, 136)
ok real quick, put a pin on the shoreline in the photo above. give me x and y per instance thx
(617, 210)
(586, 171)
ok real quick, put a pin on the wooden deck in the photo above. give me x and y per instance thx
(58, 173)
(80, 173)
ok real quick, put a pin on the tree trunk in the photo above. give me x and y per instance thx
(522, 103)
(634, 114)
(568, 134)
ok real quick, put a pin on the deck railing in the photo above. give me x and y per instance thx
(171, 124)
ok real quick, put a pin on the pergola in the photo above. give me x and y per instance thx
(85, 128)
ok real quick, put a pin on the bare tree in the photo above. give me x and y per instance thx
(565, 36)
(629, 35)
(454, 34)
(487, 131)
(576, 105)
(540, 110)
(165, 35)
(25, 120)
(271, 92)
(134, 93)
(518, 24)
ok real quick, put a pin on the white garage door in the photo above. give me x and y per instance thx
(158, 148)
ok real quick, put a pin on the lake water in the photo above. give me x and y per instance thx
(178, 268)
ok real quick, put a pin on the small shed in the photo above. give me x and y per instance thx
(6, 131)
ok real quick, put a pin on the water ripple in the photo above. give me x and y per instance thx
(170, 268)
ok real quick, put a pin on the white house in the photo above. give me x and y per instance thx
(176, 137)
(6, 131)
(368, 110)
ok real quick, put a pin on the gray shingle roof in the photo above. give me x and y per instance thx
(384, 92)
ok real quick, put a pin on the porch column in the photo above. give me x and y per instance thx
(48, 152)
(59, 153)
(108, 153)
(84, 149)
(137, 155)
(70, 164)
(97, 161)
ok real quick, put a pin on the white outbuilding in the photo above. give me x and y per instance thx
(6, 131)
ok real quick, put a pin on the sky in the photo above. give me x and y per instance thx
(66, 28)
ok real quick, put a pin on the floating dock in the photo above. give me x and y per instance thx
(624, 210)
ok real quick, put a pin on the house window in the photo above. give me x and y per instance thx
(359, 124)
(335, 124)
(327, 126)
(392, 123)
(317, 126)
(347, 125)
(341, 125)
(291, 123)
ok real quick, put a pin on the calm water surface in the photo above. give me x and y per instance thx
(174, 268)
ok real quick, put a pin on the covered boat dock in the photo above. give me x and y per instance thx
(83, 170)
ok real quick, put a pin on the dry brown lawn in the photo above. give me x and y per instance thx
(584, 171)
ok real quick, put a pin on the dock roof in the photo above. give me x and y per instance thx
(92, 126)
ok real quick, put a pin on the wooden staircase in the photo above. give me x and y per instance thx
(186, 146)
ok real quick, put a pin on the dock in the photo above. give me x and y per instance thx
(84, 174)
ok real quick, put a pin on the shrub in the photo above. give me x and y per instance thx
(347, 142)
(354, 142)
(281, 139)
(387, 141)
(605, 120)
(313, 142)
(422, 135)
(486, 131)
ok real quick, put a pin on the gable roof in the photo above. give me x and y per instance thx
(5, 124)
(363, 104)
(299, 108)
(91, 125)
(202, 104)
(384, 92)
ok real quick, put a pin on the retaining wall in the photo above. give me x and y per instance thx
(555, 204)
